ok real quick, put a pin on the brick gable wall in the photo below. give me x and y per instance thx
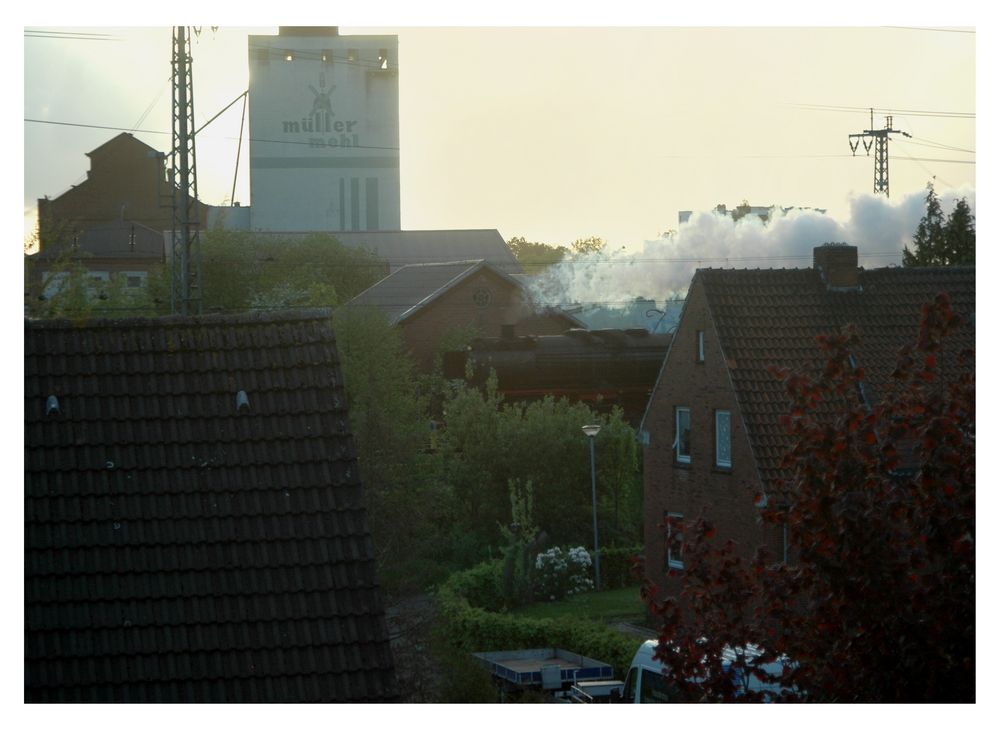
(484, 301)
(727, 495)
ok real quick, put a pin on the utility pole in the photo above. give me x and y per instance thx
(880, 138)
(185, 285)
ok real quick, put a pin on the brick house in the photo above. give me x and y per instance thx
(127, 182)
(429, 301)
(194, 518)
(711, 433)
(124, 248)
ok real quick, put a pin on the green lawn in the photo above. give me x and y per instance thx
(622, 604)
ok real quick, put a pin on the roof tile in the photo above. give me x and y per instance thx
(176, 550)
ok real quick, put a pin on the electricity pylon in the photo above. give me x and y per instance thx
(185, 285)
(880, 138)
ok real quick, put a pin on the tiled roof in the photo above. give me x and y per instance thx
(409, 290)
(773, 317)
(404, 292)
(116, 239)
(179, 548)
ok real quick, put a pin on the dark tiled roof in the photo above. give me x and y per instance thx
(180, 549)
(404, 292)
(407, 291)
(773, 317)
(116, 239)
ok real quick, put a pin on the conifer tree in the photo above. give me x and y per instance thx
(943, 242)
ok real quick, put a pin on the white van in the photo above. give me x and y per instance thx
(645, 682)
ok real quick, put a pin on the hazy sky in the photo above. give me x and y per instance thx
(557, 133)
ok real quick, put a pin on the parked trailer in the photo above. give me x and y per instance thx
(551, 670)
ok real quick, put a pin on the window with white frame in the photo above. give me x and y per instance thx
(701, 345)
(674, 538)
(682, 435)
(723, 439)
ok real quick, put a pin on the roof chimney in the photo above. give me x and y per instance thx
(837, 264)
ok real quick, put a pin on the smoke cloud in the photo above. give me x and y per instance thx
(661, 269)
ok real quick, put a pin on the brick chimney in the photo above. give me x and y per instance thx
(837, 264)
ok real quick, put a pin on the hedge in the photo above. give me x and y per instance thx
(462, 603)
(616, 567)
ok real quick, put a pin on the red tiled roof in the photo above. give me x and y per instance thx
(180, 548)
(767, 317)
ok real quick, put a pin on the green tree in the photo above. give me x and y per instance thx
(943, 242)
(487, 444)
(242, 270)
(409, 507)
(960, 234)
(64, 287)
(587, 246)
(535, 257)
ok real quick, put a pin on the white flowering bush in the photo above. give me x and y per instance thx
(559, 574)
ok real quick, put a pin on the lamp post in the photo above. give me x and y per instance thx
(591, 431)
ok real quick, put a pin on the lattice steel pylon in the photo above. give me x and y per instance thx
(185, 285)
(880, 138)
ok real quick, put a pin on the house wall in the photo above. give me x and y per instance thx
(124, 183)
(725, 497)
(484, 301)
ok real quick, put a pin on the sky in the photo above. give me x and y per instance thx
(558, 133)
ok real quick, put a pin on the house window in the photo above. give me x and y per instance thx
(352, 54)
(682, 435)
(674, 538)
(723, 439)
(326, 55)
(383, 58)
(701, 345)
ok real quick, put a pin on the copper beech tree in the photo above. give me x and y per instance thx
(876, 602)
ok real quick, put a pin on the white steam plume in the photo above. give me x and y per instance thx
(662, 269)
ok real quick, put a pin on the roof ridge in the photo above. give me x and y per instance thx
(250, 317)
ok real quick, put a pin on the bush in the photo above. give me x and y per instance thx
(469, 628)
(559, 574)
(617, 569)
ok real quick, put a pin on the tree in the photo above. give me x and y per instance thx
(878, 603)
(960, 234)
(587, 246)
(409, 508)
(486, 444)
(245, 271)
(941, 242)
(64, 288)
(535, 257)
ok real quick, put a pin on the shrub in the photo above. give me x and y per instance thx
(469, 628)
(559, 574)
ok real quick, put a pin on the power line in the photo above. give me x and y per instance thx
(881, 110)
(942, 145)
(69, 35)
(935, 30)
(152, 131)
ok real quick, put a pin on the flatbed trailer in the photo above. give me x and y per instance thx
(550, 670)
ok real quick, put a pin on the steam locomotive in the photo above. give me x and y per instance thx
(604, 367)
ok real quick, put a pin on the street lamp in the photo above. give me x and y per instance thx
(591, 431)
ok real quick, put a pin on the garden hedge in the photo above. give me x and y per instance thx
(464, 602)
